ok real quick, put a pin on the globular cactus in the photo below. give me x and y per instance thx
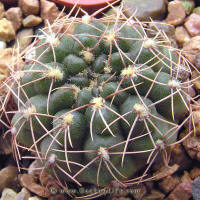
(99, 104)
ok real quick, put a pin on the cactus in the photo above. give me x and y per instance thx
(98, 105)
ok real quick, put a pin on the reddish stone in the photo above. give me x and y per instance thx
(193, 24)
(176, 13)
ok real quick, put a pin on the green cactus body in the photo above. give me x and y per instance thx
(99, 108)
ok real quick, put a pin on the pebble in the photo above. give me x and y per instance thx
(180, 157)
(196, 82)
(192, 24)
(181, 35)
(165, 29)
(28, 181)
(192, 146)
(154, 195)
(195, 173)
(196, 120)
(3, 45)
(2, 10)
(29, 7)
(31, 21)
(165, 171)
(49, 11)
(182, 191)
(195, 189)
(34, 198)
(8, 175)
(24, 38)
(145, 9)
(8, 194)
(196, 10)
(176, 13)
(188, 6)
(191, 48)
(24, 194)
(168, 183)
(7, 32)
(15, 16)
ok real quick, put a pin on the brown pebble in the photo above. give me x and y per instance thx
(168, 183)
(2, 10)
(176, 13)
(191, 48)
(15, 16)
(183, 191)
(195, 173)
(7, 176)
(181, 35)
(28, 181)
(7, 31)
(31, 21)
(29, 7)
(192, 24)
(49, 11)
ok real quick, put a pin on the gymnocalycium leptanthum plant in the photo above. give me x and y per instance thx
(99, 104)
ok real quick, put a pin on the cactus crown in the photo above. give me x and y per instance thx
(105, 92)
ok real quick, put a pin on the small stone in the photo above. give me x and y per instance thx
(192, 146)
(193, 24)
(182, 191)
(15, 16)
(154, 195)
(7, 176)
(168, 183)
(186, 177)
(176, 13)
(196, 81)
(34, 198)
(181, 35)
(180, 157)
(7, 32)
(145, 9)
(188, 6)
(165, 28)
(29, 7)
(195, 189)
(8, 194)
(3, 45)
(31, 21)
(49, 11)
(2, 10)
(24, 194)
(24, 38)
(165, 171)
(28, 181)
(196, 10)
(191, 48)
(196, 120)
